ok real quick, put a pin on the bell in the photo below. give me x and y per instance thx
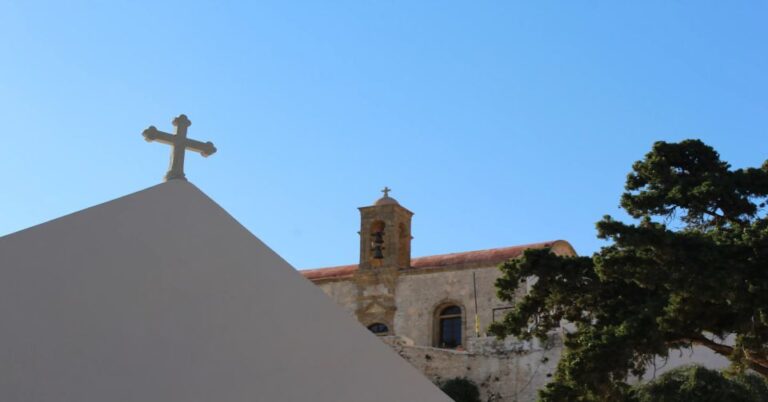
(377, 254)
(378, 237)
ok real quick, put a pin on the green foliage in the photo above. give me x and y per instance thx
(461, 390)
(756, 385)
(691, 270)
(696, 383)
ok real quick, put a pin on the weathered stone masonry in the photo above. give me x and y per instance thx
(389, 290)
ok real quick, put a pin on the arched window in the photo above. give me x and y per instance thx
(449, 327)
(378, 329)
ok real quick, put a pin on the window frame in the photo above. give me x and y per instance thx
(438, 317)
(385, 333)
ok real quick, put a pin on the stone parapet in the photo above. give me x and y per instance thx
(506, 370)
(489, 345)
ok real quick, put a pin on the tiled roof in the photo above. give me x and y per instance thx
(468, 259)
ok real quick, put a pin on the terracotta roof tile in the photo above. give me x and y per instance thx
(468, 259)
(331, 272)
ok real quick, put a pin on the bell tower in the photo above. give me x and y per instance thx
(385, 249)
(385, 235)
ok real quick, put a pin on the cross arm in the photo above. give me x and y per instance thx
(204, 148)
(153, 134)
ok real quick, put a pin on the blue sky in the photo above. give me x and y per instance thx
(497, 123)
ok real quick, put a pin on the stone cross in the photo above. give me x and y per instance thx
(386, 191)
(179, 144)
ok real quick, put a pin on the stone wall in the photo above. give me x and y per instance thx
(503, 371)
(420, 295)
(344, 293)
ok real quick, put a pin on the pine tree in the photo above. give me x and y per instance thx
(691, 269)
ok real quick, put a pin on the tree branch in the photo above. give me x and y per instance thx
(756, 363)
(718, 348)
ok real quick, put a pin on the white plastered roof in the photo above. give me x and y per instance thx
(162, 296)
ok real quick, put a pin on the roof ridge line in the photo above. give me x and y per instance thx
(492, 256)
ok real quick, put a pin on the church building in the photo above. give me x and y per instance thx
(434, 310)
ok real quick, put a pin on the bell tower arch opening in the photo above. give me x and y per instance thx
(377, 242)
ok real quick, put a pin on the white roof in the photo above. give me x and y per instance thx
(162, 296)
